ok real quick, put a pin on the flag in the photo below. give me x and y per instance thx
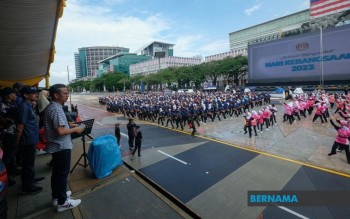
(319, 8)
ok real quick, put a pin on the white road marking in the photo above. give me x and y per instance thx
(293, 212)
(125, 135)
(99, 123)
(172, 157)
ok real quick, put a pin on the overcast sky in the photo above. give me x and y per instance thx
(196, 27)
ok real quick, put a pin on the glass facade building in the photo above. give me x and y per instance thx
(89, 58)
(120, 63)
(77, 65)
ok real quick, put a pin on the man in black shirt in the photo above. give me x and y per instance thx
(117, 133)
(131, 126)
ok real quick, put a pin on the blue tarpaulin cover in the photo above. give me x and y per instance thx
(104, 155)
(279, 90)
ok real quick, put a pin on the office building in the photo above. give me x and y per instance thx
(154, 65)
(86, 63)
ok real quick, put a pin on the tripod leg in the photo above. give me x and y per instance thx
(77, 163)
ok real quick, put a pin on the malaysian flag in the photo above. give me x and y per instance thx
(319, 8)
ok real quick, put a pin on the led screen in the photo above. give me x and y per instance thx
(297, 59)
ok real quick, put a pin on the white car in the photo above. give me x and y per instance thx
(185, 91)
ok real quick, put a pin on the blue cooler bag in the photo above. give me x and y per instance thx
(104, 155)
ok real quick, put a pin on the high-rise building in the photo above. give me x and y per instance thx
(77, 65)
(90, 56)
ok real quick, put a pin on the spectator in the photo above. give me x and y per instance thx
(8, 113)
(59, 144)
(3, 189)
(17, 88)
(27, 136)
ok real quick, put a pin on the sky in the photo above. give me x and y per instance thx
(196, 27)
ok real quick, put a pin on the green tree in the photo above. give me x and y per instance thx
(235, 68)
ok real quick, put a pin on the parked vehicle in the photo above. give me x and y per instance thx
(185, 91)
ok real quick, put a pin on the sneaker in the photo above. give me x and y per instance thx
(32, 190)
(54, 202)
(139, 156)
(38, 179)
(38, 152)
(330, 154)
(131, 157)
(69, 204)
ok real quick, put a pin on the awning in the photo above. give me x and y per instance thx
(27, 36)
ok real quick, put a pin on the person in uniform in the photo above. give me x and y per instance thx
(131, 126)
(138, 141)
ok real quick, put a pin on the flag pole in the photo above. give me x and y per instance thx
(321, 54)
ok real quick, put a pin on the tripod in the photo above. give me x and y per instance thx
(88, 127)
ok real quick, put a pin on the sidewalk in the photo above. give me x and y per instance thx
(120, 195)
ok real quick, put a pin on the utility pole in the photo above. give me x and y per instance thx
(70, 96)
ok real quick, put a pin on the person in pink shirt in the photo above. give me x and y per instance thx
(288, 113)
(266, 114)
(261, 120)
(318, 113)
(340, 105)
(302, 108)
(310, 105)
(342, 138)
(325, 113)
(248, 124)
(255, 120)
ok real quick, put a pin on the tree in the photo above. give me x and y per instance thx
(211, 70)
(197, 75)
(235, 68)
(114, 81)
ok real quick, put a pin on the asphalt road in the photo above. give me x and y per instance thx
(213, 177)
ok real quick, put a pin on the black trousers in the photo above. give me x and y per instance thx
(138, 148)
(344, 147)
(131, 141)
(118, 141)
(317, 116)
(28, 161)
(60, 170)
(10, 150)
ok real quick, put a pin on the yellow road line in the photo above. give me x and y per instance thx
(260, 152)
